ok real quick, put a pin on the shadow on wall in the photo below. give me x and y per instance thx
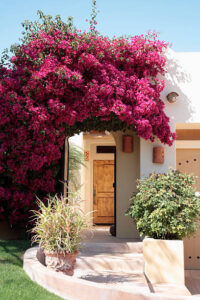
(178, 79)
(168, 267)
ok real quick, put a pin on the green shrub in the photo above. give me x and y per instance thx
(165, 206)
(58, 225)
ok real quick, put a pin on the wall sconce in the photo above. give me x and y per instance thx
(172, 97)
(158, 155)
(127, 144)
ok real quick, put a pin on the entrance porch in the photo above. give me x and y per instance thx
(108, 268)
(109, 178)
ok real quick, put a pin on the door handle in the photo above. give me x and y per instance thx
(94, 196)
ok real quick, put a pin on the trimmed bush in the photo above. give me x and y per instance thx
(165, 206)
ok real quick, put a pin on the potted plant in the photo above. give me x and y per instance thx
(58, 228)
(165, 210)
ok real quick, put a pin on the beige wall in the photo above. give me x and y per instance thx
(127, 171)
(164, 260)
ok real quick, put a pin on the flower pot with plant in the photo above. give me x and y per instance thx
(58, 228)
(165, 210)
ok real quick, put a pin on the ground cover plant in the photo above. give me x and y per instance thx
(61, 81)
(165, 206)
(14, 283)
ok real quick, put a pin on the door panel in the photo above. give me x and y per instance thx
(103, 196)
(188, 162)
(105, 206)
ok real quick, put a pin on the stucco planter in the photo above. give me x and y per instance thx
(60, 262)
(164, 260)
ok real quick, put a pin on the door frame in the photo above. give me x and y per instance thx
(115, 190)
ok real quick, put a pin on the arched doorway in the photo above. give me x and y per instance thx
(98, 175)
(126, 172)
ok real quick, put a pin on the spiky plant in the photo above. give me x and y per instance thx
(59, 225)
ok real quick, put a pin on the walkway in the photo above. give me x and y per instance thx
(108, 268)
(119, 262)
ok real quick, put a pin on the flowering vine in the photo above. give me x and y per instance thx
(62, 81)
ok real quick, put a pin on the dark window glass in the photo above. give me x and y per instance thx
(106, 149)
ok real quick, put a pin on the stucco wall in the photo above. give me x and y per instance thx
(77, 139)
(127, 171)
(182, 77)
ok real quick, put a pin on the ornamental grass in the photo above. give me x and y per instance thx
(59, 225)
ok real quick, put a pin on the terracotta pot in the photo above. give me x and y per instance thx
(113, 230)
(60, 262)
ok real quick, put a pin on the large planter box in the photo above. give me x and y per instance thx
(164, 260)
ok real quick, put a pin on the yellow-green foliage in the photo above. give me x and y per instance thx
(165, 206)
(59, 225)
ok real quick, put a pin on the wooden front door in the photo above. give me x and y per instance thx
(103, 192)
(188, 162)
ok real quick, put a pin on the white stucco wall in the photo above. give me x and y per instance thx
(77, 139)
(182, 77)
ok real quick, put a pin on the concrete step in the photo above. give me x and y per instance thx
(119, 280)
(132, 282)
(119, 247)
(126, 262)
(170, 289)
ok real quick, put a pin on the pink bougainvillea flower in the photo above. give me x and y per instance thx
(59, 80)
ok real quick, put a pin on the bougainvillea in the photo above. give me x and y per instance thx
(63, 81)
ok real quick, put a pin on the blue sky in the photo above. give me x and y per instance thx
(178, 21)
